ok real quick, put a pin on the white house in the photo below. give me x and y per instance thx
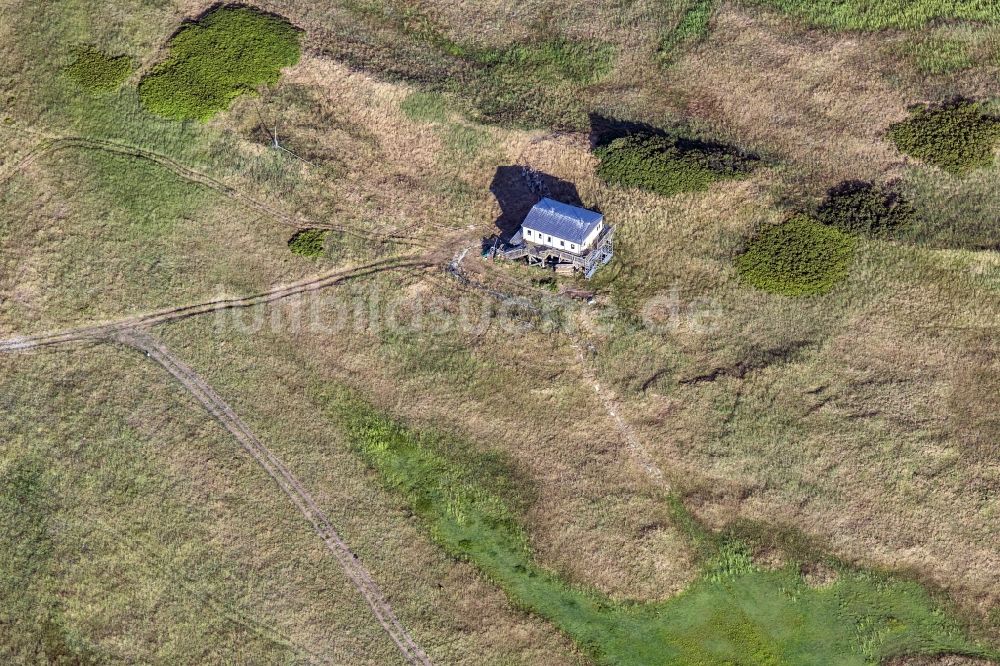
(561, 237)
(562, 227)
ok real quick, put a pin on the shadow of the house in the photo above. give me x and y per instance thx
(518, 188)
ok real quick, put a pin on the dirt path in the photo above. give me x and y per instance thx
(635, 446)
(127, 331)
(303, 501)
(638, 450)
(55, 144)
(168, 315)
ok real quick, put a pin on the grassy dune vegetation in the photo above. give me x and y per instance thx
(860, 420)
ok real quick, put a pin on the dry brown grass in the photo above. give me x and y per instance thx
(865, 418)
(812, 99)
(158, 528)
(946, 660)
(596, 519)
(869, 436)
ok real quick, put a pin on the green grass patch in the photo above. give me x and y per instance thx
(957, 136)
(553, 60)
(940, 55)
(800, 257)
(211, 62)
(425, 107)
(99, 72)
(869, 209)
(536, 84)
(735, 613)
(868, 15)
(31, 615)
(692, 27)
(465, 141)
(308, 242)
(669, 164)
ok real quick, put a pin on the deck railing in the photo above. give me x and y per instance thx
(585, 260)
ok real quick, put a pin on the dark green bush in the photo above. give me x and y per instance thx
(957, 136)
(800, 257)
(860, 207)
(308, 242)
(668, 164)
(211, 62)
(98, 71)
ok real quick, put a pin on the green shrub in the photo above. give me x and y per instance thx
(668, 164)
(860, 207)
(957, 136)
(98, 71)
(215, 60)
(308, 242)
(797, 258)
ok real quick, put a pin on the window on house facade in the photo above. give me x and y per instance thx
(562, 243)
(550, 239)
(572, 246)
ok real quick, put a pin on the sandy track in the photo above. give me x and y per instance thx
(127, 331)
(105, 330)
(301, 498)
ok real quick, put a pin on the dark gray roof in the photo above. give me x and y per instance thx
(560, 220)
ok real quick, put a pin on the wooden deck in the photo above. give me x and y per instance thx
(588, 262)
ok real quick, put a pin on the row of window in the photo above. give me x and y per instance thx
(562, 243)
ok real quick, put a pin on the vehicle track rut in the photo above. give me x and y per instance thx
(55, 144)
(221, 411)
(169, 315)
(128, 331)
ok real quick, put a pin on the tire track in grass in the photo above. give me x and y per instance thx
(170, 315)
(55, 144)
(289, 484)
(640, 452)
(127, 332)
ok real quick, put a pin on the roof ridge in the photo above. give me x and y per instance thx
(567, 221)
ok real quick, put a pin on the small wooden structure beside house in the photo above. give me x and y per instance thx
(562, 237)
